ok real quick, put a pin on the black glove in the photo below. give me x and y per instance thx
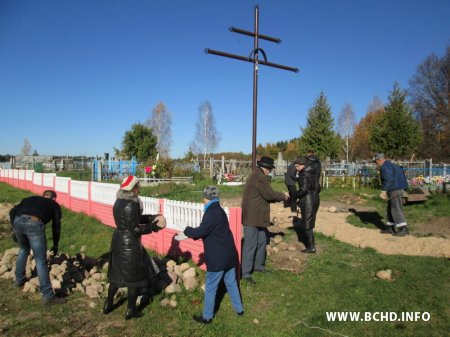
(54, 250)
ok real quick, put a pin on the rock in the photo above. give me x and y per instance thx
(173, 276)
(275, 249)
(384, 275)
(35, 281)
(92, 304)
(184, 266)
(83, 249)
(292, 249)
(173, 288)
(173, 303)
(283, 246)
(189, 273)
(171, 263)
(203, 287)
(165, 302)
(93, 271)
(255, 321)
(56, 284)
(332, 209)
(277, 239)
(79, 287)
(177, 270)
(97, 276)
(190, 283)
(3, 269)
(91, 291)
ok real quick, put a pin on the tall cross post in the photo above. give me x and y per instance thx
(254, 58)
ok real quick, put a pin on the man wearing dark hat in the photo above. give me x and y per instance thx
(256, 217)
(393, 183)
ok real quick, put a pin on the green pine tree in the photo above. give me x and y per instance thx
(396, 133)
(139, 142)
(318, 134)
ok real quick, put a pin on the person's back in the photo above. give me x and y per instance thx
(317, 167)
(40, 207)
(290, 177)
(392, 177)
(28, 219)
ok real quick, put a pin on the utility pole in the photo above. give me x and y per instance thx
(254, 58)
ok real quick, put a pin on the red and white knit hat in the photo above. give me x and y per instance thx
(129, 183)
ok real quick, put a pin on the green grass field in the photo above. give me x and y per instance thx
(341, 278)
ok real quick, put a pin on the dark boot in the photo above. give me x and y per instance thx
(146, 298)
(310, 247)
(401, 231)
(133, 313)
(109, 303)
(108, 307)
(388, 230)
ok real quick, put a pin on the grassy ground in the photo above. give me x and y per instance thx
(339, 278)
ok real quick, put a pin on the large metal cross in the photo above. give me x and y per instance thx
(253, 58)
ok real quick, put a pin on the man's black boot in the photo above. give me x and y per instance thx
(402, 231)
(310, 248)
(200, 319)
(108, 307)
(133, 313)
(388, 230)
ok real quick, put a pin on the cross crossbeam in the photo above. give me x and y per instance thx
(256, 61)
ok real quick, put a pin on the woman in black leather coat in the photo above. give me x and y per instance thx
(309, 201)
(129, 263)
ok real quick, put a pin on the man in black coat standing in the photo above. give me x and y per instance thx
(220, 254)
(309, 201)
(290, 179)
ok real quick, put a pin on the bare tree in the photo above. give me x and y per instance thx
(26, 148)
(206, 137)
(160, 122)
(346, 125)
(430, 95)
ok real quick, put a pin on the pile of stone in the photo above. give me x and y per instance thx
(277, 244)
(173, 278)
(87, 275)
(67, 273)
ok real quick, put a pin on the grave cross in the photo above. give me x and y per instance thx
(254, 58)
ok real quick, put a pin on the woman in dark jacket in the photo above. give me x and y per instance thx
(220, 254)
(309, 201)
(129, 263)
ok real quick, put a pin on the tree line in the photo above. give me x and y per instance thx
(414, 123)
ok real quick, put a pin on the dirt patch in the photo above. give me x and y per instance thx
(294, 262)
(439, 227)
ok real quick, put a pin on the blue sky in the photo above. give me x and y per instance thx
(75, 75)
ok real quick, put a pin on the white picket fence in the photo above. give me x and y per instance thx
(178, 214)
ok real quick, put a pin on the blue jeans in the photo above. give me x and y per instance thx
(31, 235)
(212, 281)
